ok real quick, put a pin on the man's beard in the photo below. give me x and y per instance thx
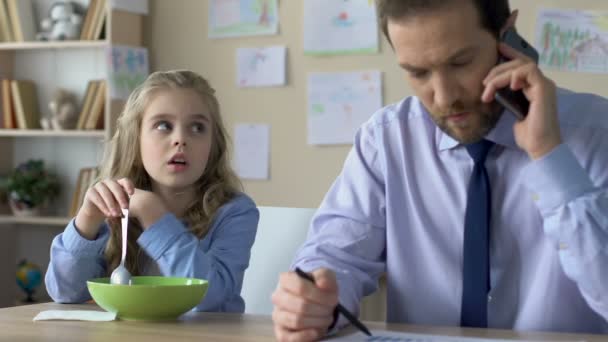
(487, 118)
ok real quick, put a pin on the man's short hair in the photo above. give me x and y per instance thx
(493, 14)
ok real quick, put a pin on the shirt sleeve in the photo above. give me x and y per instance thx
(573, 202)
(74, 260)
(180, 253)
(347, 233)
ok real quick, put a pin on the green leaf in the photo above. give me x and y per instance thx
(30, 182)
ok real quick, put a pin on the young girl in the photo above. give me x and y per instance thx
(168, 163)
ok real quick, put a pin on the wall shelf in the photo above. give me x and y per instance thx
(66, 44)
(35, 220)
(44, 133)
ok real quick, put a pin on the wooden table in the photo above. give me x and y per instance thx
(16, 325)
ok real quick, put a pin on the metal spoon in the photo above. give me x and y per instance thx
(121, 275)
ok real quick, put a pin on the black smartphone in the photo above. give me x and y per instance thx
(515, 101)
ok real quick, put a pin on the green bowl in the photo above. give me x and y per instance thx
(148, 298)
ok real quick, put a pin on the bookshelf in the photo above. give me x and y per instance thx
(37, 220)
(49, 133)
(74, 44)
(52, 64)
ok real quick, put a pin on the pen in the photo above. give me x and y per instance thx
(351, 318)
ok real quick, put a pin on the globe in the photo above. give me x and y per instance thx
(29, 278)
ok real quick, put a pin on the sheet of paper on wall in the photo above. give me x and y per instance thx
(338, 103)
(389, 336)
(237, 18)
(573, 40)
(129, 67)
(260, 67)
(252, 151)
(133, 6)
(336, 27)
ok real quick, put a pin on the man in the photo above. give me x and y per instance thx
(407, 200)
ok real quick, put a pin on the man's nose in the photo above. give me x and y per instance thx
(447, 92)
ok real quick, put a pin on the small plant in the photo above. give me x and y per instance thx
(29, 185)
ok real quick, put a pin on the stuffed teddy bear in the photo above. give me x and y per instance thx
(63, 22)
(63, 112)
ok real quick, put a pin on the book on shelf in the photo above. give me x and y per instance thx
(9, 121)
(92, 26)
(97, 30)
(1, 114)
(88, 18)
(91, 116)
(25, 104)
(95, 116)
(89, 94)
(86, 178)
(21, 17)
(6, 31)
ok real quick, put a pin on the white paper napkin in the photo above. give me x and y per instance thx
(76, 315)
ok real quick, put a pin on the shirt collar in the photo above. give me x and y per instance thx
(501, 134)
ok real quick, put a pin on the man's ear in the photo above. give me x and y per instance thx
(510, 22)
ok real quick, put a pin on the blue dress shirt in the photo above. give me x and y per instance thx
(398, 207)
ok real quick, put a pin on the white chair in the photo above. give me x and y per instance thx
(281, 231)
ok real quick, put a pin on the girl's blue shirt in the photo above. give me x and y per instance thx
(221, 257)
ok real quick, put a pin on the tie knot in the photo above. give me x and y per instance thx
(479, 150)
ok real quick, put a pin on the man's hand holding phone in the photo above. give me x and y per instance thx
(538, 131)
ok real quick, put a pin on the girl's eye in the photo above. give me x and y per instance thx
(162, 126)
(198, 128)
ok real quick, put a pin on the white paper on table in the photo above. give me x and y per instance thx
(340, 27)
(573, 40)
(339, 103)
(259, 67)
(252, 151)
(76, 315)
(389, 336)
(236, 18)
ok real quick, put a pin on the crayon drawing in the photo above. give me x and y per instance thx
(259, 67)
(128, 68)
(572, 40)
(336, 27)
(338, 103)
(236, 18)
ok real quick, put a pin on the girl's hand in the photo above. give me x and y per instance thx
(147, 207)
(104, 199)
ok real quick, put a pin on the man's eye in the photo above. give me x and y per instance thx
(418, 74)
(461, 63)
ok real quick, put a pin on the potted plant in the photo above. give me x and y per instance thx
(29, 188)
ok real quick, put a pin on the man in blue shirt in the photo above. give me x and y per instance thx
(400, 204)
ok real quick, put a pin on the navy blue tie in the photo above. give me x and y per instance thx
(476, 263)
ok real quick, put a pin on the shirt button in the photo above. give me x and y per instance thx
(535, 197)
(489, 298)
(563, 246)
